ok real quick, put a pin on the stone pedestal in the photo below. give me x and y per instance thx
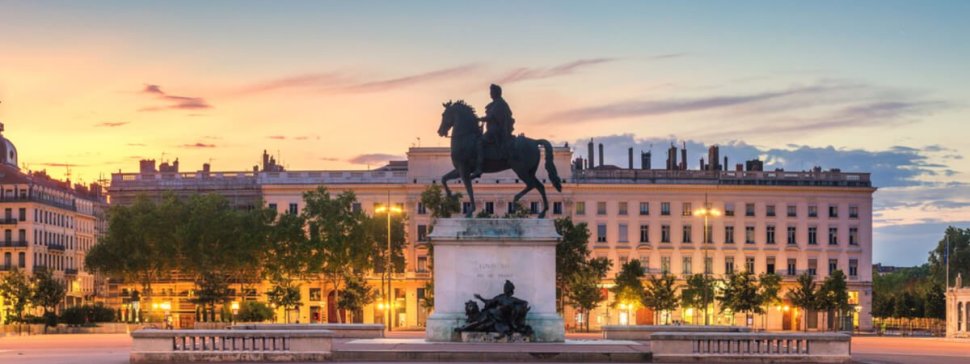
(477, 256)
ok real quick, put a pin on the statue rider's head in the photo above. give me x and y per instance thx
(509, 288)
(495, 91)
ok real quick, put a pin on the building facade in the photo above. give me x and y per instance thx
(782, 222)
(958, 310)
(48, 225)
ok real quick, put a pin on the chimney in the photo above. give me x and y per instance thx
(629, 153)
(683, 158)
(672, 158)
(601, 154)
(147, 166)
(702, 164)
(644, 160)
(175, 165)
(206, 168)
(592, 155)
(713, 155)
(739, 167)
(726, 163)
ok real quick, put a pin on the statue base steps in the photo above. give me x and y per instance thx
(493, 337)
(546, 328)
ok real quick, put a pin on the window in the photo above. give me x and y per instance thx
(273, 207)
(601, 233)
(23, 214)
(293, 209)
(422, 264)
(833, 236)
(665, 208)
(708, 265)
(770, 234)
(687, 269)
(791, 267)
(601, 208)
(812, 211)
(465, 207)
(749, 209)
(8, 214)
(770, 210)
(792, 235)
(21, 260)
(853, 212)
(770, 265)
(833, 211)
(533, 207)
(728, 209)
(557, 208)
(644, 233)
(749, 264)
(833, 265)
(792, 211)
(853, 236)
(624, 234)
(813, 267)
(665, 233)
(686, 236)
(664, 265)
(813, 236)
(644, 208)
(853, 267)
(645, 263)
(729, 265)
(422, 233)
(624, 259)
(490, 208)
(622, 208)
(422, 209)
(686, 209)
(580, 208)
(749, 234)
(729, 234)
(315, 294)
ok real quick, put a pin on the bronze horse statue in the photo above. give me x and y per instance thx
(523, 155)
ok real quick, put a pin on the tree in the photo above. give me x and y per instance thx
(340, 244)
(16, 291)
(356, 295)
(740, 294)
(959, 256)
(833, 297)
(518, 212)
(661, 295)
(585, 293)
(803, 295)
(628, 288)
(441, 206)
(908, 305)
(286, 296)
(768, 289)
(48, 293)
(572, 255)
(252, 311)
(698, 294)
(935, 302)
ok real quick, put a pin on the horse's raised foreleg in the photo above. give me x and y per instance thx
(467, 180)
(448, 177)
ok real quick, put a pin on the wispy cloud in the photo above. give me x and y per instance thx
(383, 85)
(110, 124)
(277, 137)
(374, 158)
(61, 165)
(173, 102)
(199, 145)
(135, 144)
(537, 73)
(345, 82)
(310, 80)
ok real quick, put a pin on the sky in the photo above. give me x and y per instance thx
(89, 88)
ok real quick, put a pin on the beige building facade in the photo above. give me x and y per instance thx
(787, 223)
(958, 310)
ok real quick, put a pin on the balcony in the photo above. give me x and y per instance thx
(6, 268)
(70, 272)
(56, 247)
(13, 244)
(40, 268)
(8, 221)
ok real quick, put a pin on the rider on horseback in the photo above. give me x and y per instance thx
(498, 119)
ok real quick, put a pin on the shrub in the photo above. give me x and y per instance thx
(100, 313)
(50, 319)
(79, 315)
(74, 316)
(252, 311)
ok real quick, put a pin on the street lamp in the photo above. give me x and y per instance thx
(707, 211)
(388, 209)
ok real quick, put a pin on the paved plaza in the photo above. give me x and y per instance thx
(113, 349)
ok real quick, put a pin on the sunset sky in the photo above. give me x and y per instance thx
(89, 88)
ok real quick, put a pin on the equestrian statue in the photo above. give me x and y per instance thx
(474, 153)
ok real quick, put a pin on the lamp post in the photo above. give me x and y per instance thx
(388, 209)
(707, 211)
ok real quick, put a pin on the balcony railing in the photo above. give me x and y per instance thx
(8, 221)
(13, 244)
(56, 247)
(70, 271)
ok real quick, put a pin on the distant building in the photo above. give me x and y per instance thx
(783, 222)
(958, 310)
(48, 225)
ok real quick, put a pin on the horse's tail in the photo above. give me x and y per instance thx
(550, 165)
